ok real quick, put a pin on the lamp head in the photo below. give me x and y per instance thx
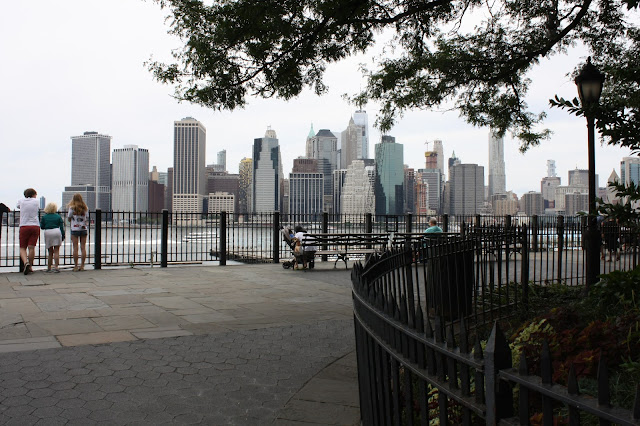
(589, 82)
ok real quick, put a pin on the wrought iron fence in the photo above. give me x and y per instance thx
(415, 360)
(555, 244)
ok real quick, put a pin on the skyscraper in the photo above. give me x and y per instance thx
(267, 174)
(351, 144)
(90, 170)
(630, 170)
(497, 180)
(389, 176)
(437, 147)
(130, 179)
(245, 170)
(360, 119)
(222, 160)
(306, 191)
(324, 148)
(358, 194)
(189, 176)
(466, 189)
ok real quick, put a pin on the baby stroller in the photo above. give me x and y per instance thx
(289, 238)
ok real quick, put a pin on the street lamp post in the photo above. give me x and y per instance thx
(589, 82)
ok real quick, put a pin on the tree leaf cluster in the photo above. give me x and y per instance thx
(470, 55)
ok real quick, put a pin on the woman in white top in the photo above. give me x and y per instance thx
(29, 227)
(78, 215)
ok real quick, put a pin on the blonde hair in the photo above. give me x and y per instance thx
(51, 208)
(77, 205)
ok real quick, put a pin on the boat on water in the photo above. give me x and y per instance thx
(199, 236)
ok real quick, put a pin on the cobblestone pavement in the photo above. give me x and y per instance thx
(285, 358)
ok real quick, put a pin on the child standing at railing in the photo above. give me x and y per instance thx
(53, 227)
(79, 217)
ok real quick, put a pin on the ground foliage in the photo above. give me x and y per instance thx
(471, 54)
(583, 328)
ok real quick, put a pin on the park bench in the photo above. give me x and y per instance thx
(344, 246)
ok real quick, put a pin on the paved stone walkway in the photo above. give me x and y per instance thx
(211, 345)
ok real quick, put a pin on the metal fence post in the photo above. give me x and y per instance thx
(534, 232)
(368, 223)
(325, 229)
(507, 222)
(525, 264)
(276, 237)
(560, 233)
(445, 223)
(164, 238)
(97, 241)
(223, 239)
(409, 223)
(499, 397)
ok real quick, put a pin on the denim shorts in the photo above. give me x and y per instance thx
(79, 233)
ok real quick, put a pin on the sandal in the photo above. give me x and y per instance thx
(76, 269)
(27, 269)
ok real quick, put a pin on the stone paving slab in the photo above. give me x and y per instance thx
(212, 345)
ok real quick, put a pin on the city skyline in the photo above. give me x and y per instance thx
(54, 82)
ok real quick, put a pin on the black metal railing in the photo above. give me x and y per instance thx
(415, 359)
(554, 244)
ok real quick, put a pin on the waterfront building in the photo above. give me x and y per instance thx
(389, 160)
(504, 204)
(339, 177)
(548, 187)
(222, 202)
(580, 177)
(576, 202)
(306, 191)
(466, 190)
(168, 193)
(130, 179)
(324, 148)
(358, 193)
(223, 182)
(497, 179)
(91, 168)
(245, 172)
(532, 203)
(189, 177)
(267, 174)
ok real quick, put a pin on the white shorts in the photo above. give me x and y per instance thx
(52, 237)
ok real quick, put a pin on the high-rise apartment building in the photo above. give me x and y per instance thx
(245, 171)
(130, 179)
(532, 203)
(360, 119)
(90, 170)
(466, 189)
(267, 174)
(189, 175)
(389, 158)
(548, 187)
(497, 179)
(324, 148)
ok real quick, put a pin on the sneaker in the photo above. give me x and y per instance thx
(56, 271)
(48, 271)
(75, 269)
(27, 269)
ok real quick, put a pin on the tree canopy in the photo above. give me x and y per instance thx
(472, 54)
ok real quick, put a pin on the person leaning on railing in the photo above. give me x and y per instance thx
(29, 228)
(53, 227)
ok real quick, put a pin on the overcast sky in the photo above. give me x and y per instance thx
(77, 65)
